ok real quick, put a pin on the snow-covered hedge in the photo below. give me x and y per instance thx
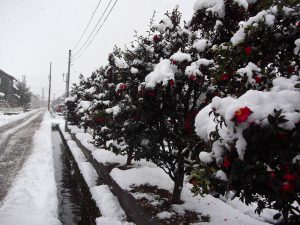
(143, 102)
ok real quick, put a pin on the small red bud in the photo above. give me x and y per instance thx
(248, 51)
(226, 162)
(272, 174)
(258, 79)
(290, 69)
(224, 77)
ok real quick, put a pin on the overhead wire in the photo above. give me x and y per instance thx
(95, 27)
(87, 25)
(96, 31)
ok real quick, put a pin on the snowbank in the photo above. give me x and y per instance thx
(6, 119)
(33, 199)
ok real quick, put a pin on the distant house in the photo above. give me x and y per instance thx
(8, 89)
(35, 102)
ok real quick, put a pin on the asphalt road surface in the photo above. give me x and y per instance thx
(15, 147)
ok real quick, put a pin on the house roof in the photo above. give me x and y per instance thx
(3, 73)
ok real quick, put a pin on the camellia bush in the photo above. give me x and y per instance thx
(255, 148)
(252, 132)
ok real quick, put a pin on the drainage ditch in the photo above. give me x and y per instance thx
(74, 198)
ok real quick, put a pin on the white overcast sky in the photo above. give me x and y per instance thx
(35, 32)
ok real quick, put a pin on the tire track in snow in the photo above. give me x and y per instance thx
(15, 146)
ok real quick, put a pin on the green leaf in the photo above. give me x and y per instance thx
(271, 119)
(277, 216)
(297, 85)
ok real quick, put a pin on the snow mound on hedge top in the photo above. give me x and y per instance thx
(260, 103)
(282, 83)
(70, 99)
(165, 23)
(263, 16)
(201, 44)
(120, 62)
(163, 71)
(214, 6)
(218, 6)
(180, 57)
(249, 70)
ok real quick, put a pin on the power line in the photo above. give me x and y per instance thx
(96, 32)
(87, 25)
(93, 29)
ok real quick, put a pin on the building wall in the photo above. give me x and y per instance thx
(6, 87)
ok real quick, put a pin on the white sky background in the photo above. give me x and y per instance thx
(35, 32)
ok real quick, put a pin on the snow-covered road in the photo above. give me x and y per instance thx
(32, 197)
(15, 146)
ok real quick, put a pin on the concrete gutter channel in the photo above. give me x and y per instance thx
(89, 204)
(132, 208)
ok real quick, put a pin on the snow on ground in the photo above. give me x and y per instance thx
(100, 154)
(231, 212)
(32, 199)
(111, 211)
(6, 119)
(219, 211)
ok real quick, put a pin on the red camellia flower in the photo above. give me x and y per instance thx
(287, 187)
(226, 162)
(258, 79)
(290, 177)
(171, 82)
(225, 77)
(248, 51)
(156, 38)
(192, 77)
(122, 86)
(173, 62)
(242, 115)
(298, 24)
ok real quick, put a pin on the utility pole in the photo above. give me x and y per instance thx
(67, 86)
(49, 87)
(68, 75)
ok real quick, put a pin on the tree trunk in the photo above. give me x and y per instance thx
(129, 158)
(178, 183)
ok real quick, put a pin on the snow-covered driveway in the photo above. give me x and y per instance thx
(15, 146)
